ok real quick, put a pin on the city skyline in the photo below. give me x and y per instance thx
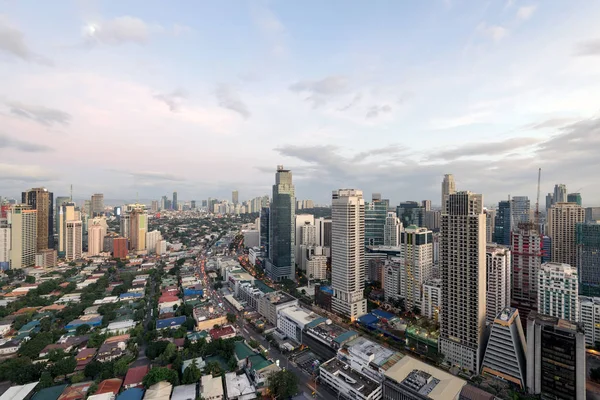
(496, 95)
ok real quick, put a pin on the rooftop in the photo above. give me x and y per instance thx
(279, 297)
(211, 387)
(301, 315)
(238, 385)
(19, 392)
(358, 381)
(372, 352)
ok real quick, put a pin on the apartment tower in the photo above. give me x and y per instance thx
(562, 223)
(74, 233)
(97, 204)
(558, 291)
(42, 200)
(526, 262)
(24, 226)
(416, 249)
(498, 262)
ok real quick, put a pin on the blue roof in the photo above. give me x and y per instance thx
(382, 314)
(170, 322)
(92, 322)
(128, 295)
(29, 326)
(345, 336)
(368, 319)
(131, 394)
(326, 289)
(316, 322)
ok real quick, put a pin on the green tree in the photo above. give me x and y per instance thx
(121, 366)
(55, 355)
(46, 380)
(29, 279)
(213, 368)
(283, 384)
(160, 374)
(63, 367)
(231, 318)
(93, 369)
(78, 377)
(35, 345)
(192, 374)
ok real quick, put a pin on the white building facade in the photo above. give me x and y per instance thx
(498, 260)
(558, 294)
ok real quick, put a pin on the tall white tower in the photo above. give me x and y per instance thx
(23, 220)
(393, 227)
(74, 239)
(448, 188)
(348, 253)
(498, 297)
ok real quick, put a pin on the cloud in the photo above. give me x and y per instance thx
(525, 12)
(391, 150)
(588, 48)
(8, 142)
(119, 30)
(374, 111)
(272, 29)
(495, 32)
(229, 99)
(475, 117)
(172, 99)
(159, 176)
(486, 149)
(355, 100)
(43, 115)
(321, 90)
(550, 123)
(12, 41)
(26, 172)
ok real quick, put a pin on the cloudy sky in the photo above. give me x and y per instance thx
(204, 97)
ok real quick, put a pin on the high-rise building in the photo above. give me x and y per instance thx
(67, 212)
(549, 202)
(463, 273)
(505, 352)
(588, 258)
(498, 280)
(391, 278)
(562, 222)
(410, 213)
(5, 238)
(97, 204)
(58, 203)
(592, 214)
(234, 197)
(348, 253)
(560, 193)
(526, 262)
(520, 208)
(375, 216)
(417, 253)
(555, 358)
(163, 203)
(490, 224)
(281, 262)
(308, 234)
(42, 200)
(138, 226)
(393, 227)
(309, 204)
(23, 224)
(432, 299)
(193, 204)
(558, 294)
(74, 233)
(502, 225)
(151, 239)
(87, 207)
(426, 204)
(448, 188)
(154, 206)
(175, 203)
(120, 248)
(431, 220)
(96, 233)
(264, 229)
(299, 221)
(574, 198)
(589, 316)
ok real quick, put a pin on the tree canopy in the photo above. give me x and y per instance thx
(283, 384)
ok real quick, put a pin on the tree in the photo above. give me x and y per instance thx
(33, 347)
(192, 374)
(283, 384)
(93, 369)
(231, 318)
(46, 380)
(213, 368)
(55, 355)
(160, 374)
(78, 377)
(82, 329)
(121, 366)
(29, 279)
(63, 367)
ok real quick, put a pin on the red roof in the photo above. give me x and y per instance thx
(86, 353)
(220, 332)
(167, 298)
(135, 375)
(109, 386)
(77, 391)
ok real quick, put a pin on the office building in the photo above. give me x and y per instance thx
(588, 258)
(323, 232)
(87, 207)
(410, 213)
(558, 294)
(313, 262)
(589, 316)
(549, 202)
(58, 203)
(526, 262)
(282, 233)
(520, 208)
(574, 198)
(42, 200)
(74, 232)
(555, 358)
(23, 229)
(120, 248)
(505, 353)
(138, 226)
(562, 222)
(560, 193)
(308, 204)
(348, 253)
(348, 382)
(417, 253)
(175, 203)
(125, 225)
(463, 274)
(163, 203)
(375, 220)
(498, 297)
(301, 220)
(448, 188)
(502, 225)
(391, 278)
(426, 204)
(67, 212)
(546, 249)
(193, 205)
(592, 214)
(264, 229)
(235, 197)
(432, 299)
(431, 220)
(97, 204)
(490, 223)
(96, 233)
(391, 234)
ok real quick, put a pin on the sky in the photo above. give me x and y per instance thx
(142, 98)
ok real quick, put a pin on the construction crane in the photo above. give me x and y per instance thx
(537, 203)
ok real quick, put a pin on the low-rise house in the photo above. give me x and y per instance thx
(53, 307)
(93, 320)
(199, 363)
(91, 310)
(172, 323)
(259, 369)
(103, 396)
(55, 346)
(168, 301)
(111, 349)
(238, 387)
(184, 392)
(226, 332)
(120, 326)
(211, 388)
(84, 357)
(135, 376)
(9, 348)
(29, 328)
(131, 394)
(5, 327)
(77, 391)
(110, 386)
(107, 300)
(159, 391)
(130, 296)
(19, 392)
(51, 393)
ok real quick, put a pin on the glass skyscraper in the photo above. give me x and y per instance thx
(410, 213)
(588, 258)
(502, 224)
(375, 215)
(281, 263)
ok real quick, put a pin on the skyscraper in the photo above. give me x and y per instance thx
(391, 234)
(375, 215)
(498, 280)
(264, 229)
(417, 254)
(175, 204)
(97, 204)
(588, 258)
(96, 233)
(490, 224)
(299, 221)
(74, 233)
(549, 202)
(234, 197)
(526, 262)
(66, 213)
(558, 294)
(574, 198)
(163, 203)
(560, 193)
(58, 202)
(448, 188)
(281, 263)
(348, 253)
(154, 206)
(502, 225)
(138, 227)
(426, 204)
(410, 213)
(520, 209)
(41, 199)
(23, 231)
(463, 273)
(562, 221)
(193, 204)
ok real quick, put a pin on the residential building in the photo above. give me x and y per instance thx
(526, 252)
(45, 258)
(96, 233)
(592, 214)
(138, 227)
(375, 221)
(417, 253)
(292, 320)
(120, 248)
(264, 228)
(272, 303)
(313, 262)
(175, 203)
(300, 221)
(562, 222)
(490, 224)
(235, 197)
(74, 233)
(152, 238)
(555, 358)
(448, 188)
(588, 257)
(505, 353)
(348, 253)
(211, 388)
(432, 299)
(498, 261)
(135, 376)
(431, 220)
(426, 204)
(238, 387)
(549, 202)
(23, 222)
(502, 224)
(391, 278)
(281, 262)
(520, 208)
(589, 316)
(558, 291)
(560, 193)
(42, 200)
(97, 204)
(393, 227)
(463, 274)
(574, 198)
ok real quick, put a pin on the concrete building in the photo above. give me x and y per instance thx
(5, 238)
(574, 198)
(416, 246)
(238, 387)
(138, 226)
(592, 214)
(23, 223)
(505, 353)
(431, 220)
(42, 200)
(292, 320)
(375, 220)
(175, 202)
(502, 223)
(211, 388)
(235, 197)
(152, 239)
(391, 278)
(562, 222)
(348, 253)
(432, 299)
(120, 248)
(555, 358)
(251, 237)
(393, 227)
(520, 208)
(463, 274)
(558, 291)
(589, 316)
(498, 261)
(282, 233)
(300, 221)
(96, 233)
(448, 188)
(74, 232)
(588, 258)
(526, 262)
(560, 193)
(272, 303)
(347, 382)
(161, 247)
(368, 357)
(490, 224)
(313, 262)
(97, 204)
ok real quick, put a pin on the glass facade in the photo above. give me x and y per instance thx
(375, 214)
(588, 258)
(502, 224)
(410, 213)
(281, 227)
